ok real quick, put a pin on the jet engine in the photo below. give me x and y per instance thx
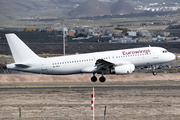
(123, 69)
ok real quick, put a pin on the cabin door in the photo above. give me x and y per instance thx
(43, 65)
(155, 54)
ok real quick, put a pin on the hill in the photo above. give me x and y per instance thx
(19, 9)
(91, 8)
(122, 7)
(98, 8)
(46, 9)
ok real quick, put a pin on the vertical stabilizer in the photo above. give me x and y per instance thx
(19, 50)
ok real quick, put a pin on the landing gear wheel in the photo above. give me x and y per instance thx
(154, 73)
(93, 78)
(102, 79)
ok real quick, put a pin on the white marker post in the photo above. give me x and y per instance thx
(92, 102)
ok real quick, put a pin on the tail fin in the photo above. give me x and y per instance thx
(19, 49)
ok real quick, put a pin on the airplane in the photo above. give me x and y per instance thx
(108, 62)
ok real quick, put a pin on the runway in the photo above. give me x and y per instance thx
(99, 87)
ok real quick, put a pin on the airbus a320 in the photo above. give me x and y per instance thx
(109, 62)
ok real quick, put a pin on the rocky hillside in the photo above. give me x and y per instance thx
(52, 9)
(24, 9)
(122, 7)
(91, 8)
(98, 8)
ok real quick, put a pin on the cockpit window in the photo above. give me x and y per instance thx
(165, 51)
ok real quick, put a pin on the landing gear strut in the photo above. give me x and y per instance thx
(102, 78)
(154, 70)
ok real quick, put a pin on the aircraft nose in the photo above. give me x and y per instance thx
(172, 56)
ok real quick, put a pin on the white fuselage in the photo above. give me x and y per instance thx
(85, 63)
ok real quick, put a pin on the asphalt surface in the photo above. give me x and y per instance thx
(99, 87)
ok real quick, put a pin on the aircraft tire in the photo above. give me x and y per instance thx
(93, 78)
(154, 73)
(102, 79)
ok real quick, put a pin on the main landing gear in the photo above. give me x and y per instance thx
(93, 78)
(154, 70)
(101, 79)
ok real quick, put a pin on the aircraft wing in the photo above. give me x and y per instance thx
(102, 64)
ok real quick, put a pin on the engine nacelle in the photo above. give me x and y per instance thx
(123, 69)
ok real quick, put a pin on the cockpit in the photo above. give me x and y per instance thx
(165, 51)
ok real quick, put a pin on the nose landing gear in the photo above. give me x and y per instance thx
(154, 70)
(154, 73)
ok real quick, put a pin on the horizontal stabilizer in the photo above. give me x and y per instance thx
(22, 65)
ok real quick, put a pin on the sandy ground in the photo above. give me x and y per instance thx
(6, 78)
(74, 104)
(126, 104)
